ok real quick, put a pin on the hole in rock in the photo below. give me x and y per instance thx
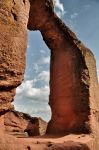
(14, 15)
(24, 1)
(33, 94)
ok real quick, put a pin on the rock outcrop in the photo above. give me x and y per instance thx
(20, 123)
(13, 43)
(28, 144)
(73, 79)
(73, 96)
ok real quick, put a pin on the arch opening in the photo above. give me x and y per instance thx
(33, 94)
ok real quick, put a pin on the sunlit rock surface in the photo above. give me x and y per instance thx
(13, 43)
(73, 79)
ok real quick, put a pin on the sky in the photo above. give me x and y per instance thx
(82, 16)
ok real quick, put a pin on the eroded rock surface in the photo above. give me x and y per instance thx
(73, 79)
(13, 43)
(21, 123)
(9, 142)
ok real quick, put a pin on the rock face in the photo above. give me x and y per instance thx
(11, 143)
(13, 43)
(21, 123)
(68, 145)
(73, 79)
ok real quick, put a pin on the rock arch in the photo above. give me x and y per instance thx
(73, 79)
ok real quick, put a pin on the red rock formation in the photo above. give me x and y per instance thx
(11, 143)
(16, 122)
(73, 78)
(20, 123)
(13, 43)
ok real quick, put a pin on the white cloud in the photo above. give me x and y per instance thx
(46, 60)
(40, 64)
(74, 15)
(26, 85)
(43, 76)
(32, 95)
(58, 4)
(98, 74)
(28, 46)
(36, 67)
(42, 51)
(28, 90)
(34, 108)
(40, 110)
(33, 100)
(59, 8)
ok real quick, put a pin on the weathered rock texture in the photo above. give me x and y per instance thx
(13, 43)
(19, 123)
(11, 143)
(73, 79)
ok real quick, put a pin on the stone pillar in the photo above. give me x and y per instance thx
(13, 43)
(73, 79)
(69, 83)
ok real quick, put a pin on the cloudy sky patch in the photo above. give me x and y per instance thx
(59, 8)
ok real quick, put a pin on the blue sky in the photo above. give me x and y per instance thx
(82, 16)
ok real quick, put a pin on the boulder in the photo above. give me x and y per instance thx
(22, 124)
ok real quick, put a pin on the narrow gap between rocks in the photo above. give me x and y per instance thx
(33, 94)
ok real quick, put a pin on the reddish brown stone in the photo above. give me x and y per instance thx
(13, 43)
(8, 142)
(73, 79)
(14, 122)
